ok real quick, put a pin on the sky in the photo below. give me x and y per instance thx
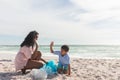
(81, 22)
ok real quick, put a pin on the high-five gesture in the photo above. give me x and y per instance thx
(51, 47)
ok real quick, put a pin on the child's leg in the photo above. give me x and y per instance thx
(60, 68)
(65, 70)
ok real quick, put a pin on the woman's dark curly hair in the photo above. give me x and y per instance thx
(30, 39)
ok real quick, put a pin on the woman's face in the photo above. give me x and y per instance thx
(36, 37)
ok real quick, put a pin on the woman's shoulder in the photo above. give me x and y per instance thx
(26, 48)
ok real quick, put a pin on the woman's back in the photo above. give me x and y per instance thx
(22, 57)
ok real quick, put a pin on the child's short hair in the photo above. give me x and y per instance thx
(65, 47)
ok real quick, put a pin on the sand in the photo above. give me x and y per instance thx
(82, 69)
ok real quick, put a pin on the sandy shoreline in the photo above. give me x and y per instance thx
(82, 69)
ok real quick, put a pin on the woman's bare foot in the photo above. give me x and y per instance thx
(23, 71)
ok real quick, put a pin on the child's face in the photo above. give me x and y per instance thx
(63, 52)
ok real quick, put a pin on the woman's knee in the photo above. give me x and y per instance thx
(38, 53)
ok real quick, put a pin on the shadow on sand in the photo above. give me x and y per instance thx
(8, 75)
(13, 76)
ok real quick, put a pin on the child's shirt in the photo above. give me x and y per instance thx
(63, 59)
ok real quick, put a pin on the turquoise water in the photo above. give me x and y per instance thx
(94, 51)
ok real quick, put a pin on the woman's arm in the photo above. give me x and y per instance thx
(43, 60)
(36, 49)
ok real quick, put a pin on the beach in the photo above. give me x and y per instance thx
(81, 69)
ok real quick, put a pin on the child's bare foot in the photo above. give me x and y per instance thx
(60, 71)
(65, 71)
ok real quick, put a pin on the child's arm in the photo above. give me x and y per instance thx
(69, 69)
(51, 47)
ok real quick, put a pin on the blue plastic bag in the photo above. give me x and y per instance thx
(50, 68)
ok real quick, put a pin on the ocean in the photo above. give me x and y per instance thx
(82, 51)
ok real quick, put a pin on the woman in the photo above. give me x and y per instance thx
(28, 57)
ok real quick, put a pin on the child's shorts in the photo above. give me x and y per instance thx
(61, 66)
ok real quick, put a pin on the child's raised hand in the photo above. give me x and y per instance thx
(52, 43)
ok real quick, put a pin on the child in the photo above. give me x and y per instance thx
(64, 59)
